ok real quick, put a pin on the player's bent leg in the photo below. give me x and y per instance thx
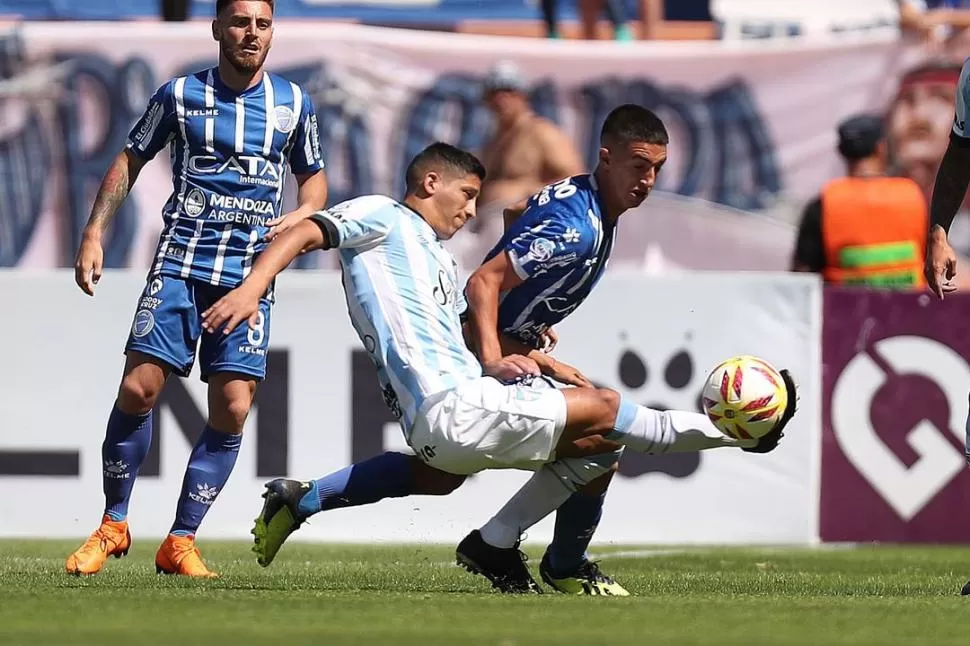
(289, 503)
(209, 467)
(493, 550)
(565, 566)
(127, 440)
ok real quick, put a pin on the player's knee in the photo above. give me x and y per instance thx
(609, 401)
(233, 414)
(137, 396)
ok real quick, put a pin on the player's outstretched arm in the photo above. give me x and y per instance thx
(948, 194)
(311, 197)
(242, 303)
(115, 186)
(482, 292)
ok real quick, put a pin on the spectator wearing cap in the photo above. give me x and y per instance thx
(524, 151)
(865, 229)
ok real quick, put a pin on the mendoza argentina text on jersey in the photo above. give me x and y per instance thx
(559, 246)
(228, 155)
(402, 294)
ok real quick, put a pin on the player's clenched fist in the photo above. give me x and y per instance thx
(88, 265)
(241, 304)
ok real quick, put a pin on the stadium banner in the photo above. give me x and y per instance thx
(320, 408)
(751, 123)
(894, 392)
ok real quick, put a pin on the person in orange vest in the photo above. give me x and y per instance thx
(865, 229)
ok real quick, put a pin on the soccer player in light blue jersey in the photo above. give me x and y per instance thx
(231, 131)
(458, 414)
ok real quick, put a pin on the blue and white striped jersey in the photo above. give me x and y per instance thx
(403, 299)
(559, 246)
(228, 155)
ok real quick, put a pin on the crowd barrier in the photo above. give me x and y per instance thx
(873, 454)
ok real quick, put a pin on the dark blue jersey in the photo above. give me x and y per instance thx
(559, 246)
(228, 152)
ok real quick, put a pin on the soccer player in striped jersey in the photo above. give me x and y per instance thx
(232, 130)
(460, 416)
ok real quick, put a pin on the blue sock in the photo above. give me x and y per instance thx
(576, 520)
(209, 467)
(125, 446)
(384, 476)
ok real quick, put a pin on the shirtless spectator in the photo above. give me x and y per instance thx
(525, 151)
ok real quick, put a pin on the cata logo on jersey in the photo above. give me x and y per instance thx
(250, 169)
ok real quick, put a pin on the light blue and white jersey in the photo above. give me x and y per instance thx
(229, 151)
(402, 294)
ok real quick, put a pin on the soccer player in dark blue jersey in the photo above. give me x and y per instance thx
(232, 130)
(546, 264)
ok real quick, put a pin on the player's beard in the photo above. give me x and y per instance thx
(242, 61)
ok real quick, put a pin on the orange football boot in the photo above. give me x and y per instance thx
(112, 538)
(179, 555)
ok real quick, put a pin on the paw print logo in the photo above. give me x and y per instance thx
(637, 381)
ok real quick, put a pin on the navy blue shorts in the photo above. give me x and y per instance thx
(168, 326)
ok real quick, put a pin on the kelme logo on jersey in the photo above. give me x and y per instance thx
(285, 119)
(250, 169)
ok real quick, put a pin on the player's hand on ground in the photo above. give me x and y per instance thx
(770, 441)
(549, 340)
(941, 265)
(88, 265)
(284, 222)
(240, 304)
(512, 368)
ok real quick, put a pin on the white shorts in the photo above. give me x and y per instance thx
(484, 424)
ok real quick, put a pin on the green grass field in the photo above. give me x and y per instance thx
(395, 595)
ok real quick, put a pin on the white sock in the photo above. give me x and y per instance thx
(542, 494)
(652, 431)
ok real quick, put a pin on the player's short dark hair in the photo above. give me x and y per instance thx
(444, 158)
(222, 4)
(630, 122)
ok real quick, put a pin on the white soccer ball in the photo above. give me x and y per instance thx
(745, 397)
